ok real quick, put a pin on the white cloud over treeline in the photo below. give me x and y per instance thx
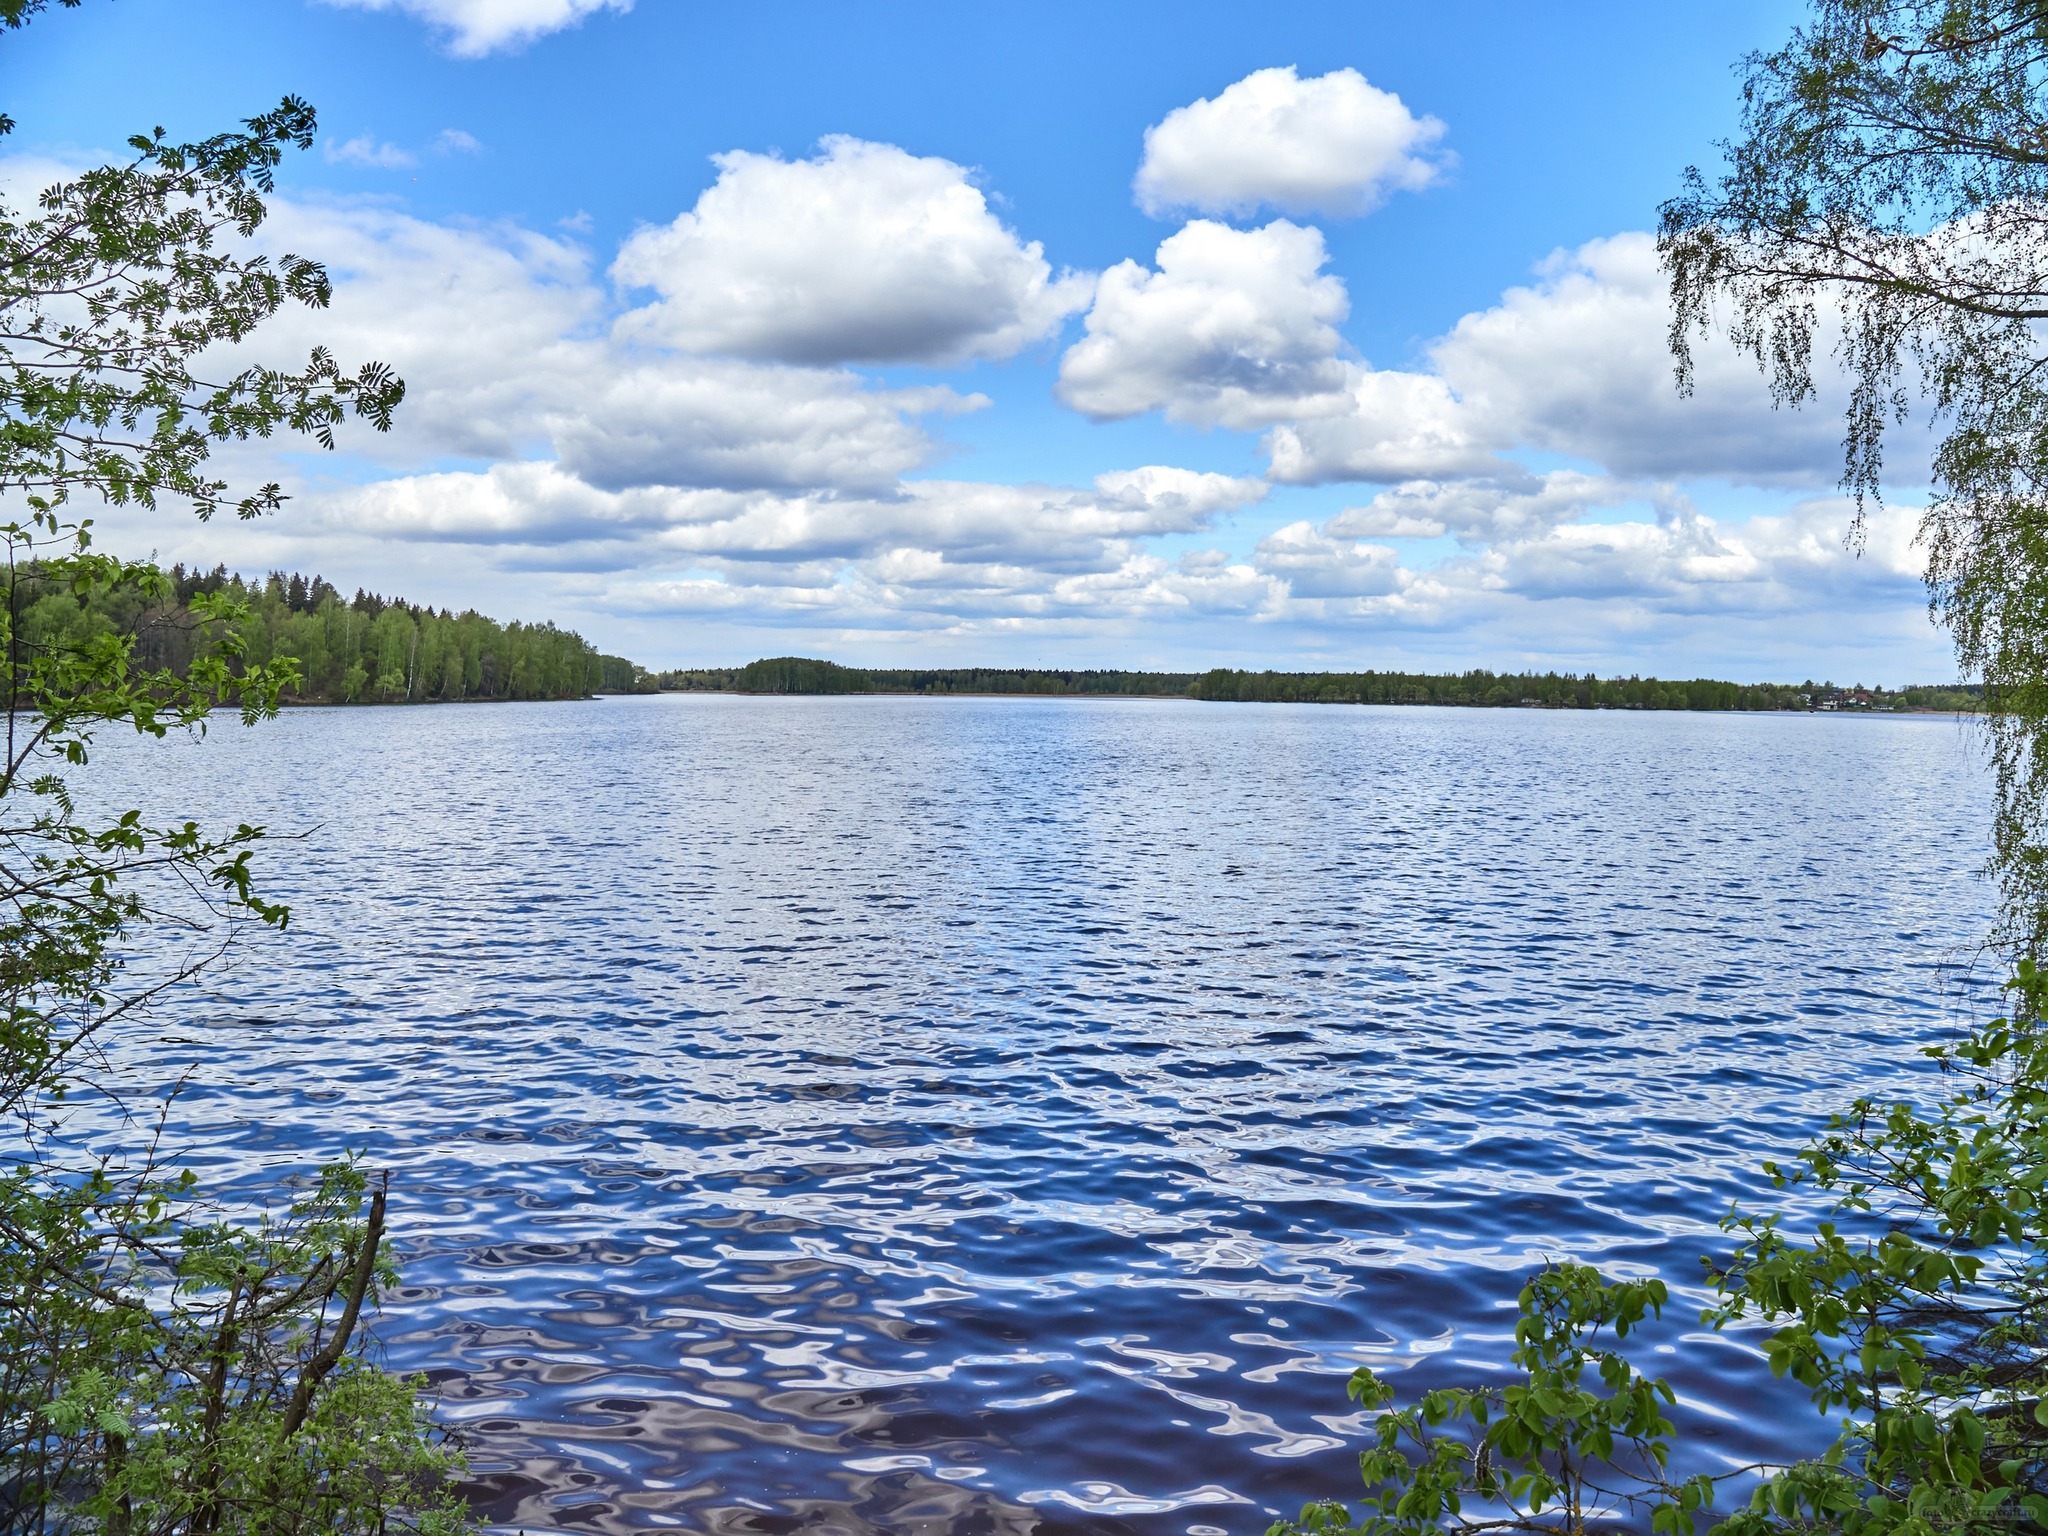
(693, 426)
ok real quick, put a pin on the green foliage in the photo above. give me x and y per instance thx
(615, 674)
(1550, 1451)
(167, 1366)
(113, 289)
(1886, 194)
(1887, 191)
(15, 13)
(166, 1371)
(371, 649)
(1929, 1330)
(1917, 1317)
(71, 891)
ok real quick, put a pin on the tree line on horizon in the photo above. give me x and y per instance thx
(368, 649)
(802, 674)
(1473, 689)
(1553, 690)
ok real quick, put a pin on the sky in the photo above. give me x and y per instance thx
(1304, 336)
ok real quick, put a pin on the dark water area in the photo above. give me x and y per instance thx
(993, 1115)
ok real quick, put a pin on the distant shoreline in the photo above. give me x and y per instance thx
(1477, 687)
(1181, 698)
(900, 693)
(579, 698)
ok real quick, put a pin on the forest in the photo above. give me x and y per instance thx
(367, 649)
(1555, 690)
(797, 674)
(1481, 689)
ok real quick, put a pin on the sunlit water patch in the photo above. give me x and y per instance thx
(901, 1115)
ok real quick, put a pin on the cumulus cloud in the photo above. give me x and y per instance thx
(1389, 522)
(502, 338)
(964, 553)
(1389, 426)
(1235, 328)
(491, 327)
(1578, 363)
(1239, 329)
(1315, 564)
(910, 592)
(511, 503)
(1485, 511)
(708, 422)
(1332, 145)
(454, 141)
(474, 28)
(863, 253)
(966, 560)
(1575, 363)
(541, 445)
(1198, 494)
(1011, 534)
(1686, 562)
(1635, 572)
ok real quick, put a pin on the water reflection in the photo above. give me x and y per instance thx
(881, 1115)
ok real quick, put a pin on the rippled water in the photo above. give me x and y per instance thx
(887, 1114)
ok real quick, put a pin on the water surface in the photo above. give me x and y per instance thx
(905, 1115)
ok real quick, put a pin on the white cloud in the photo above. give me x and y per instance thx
(1046, 529)
(709, 575)
(1161, 486)
(1638, 573)
(935, 555)
(365, 150)
(1388, 522)
(1681, 596)
(1392, 426)
(709, 422)
(551, 468)
(1578, 363)
(911, 593)
(474, 28)
(863, 253)
(1485, 511)
(501, 337)
(491, 328)
(511, 503)
(1688, 563)
(1236, 328)
(1333, 145)
(1315, 564)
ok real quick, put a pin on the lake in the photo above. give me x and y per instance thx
(1010, 1115)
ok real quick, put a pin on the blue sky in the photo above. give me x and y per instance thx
(907, 376)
